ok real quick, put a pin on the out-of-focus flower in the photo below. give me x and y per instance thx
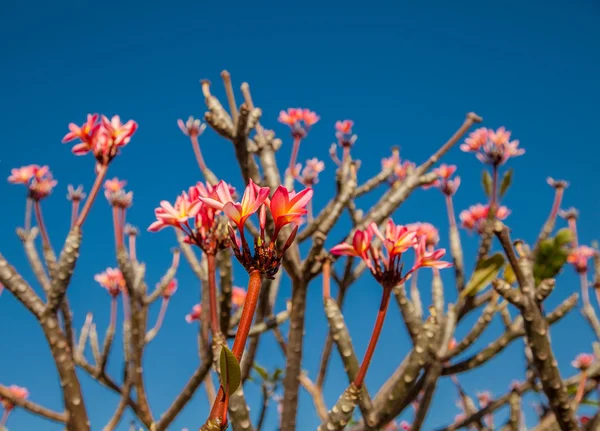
(583, 361)
(114, 185)
(579, 256)
(361, 243)
(170, 289)
(194, 314)
(311, 171)
(452, 344)
(288, 207)
(484, 398)
(238, 296)
(343, 133)
(116, 195)
(38, 179)
(404, 426)
(112, 280)
(175, 215)
(192, 127)
(584, 420)
(492, 147)
(557, 184)
(431, 234)
(75, 194)
(299, 120)
(471, 218)
(444, 182)
(17, 392)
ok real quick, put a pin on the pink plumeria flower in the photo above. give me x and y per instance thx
(114, 185)
(583, 361)
(194, 315)
(452, 344)
(23, 175)
(584, 420)
(85, 134)
(473, 217)
(38, 179)
(192, 127)
(361, 243)
(484, 398)
(397, 239)
(311, 171)
(431, 234)
(238, 296)
(288, 207)
(344, 133)
(405, 426)
(344, 127)
(119, 133)
(175, 215)
(170, 289)
(238, 212)
(492, 147)
(429, 258)
(299, 120)
(17, 392)
(112, 280)
(579, 256)
(444, 182)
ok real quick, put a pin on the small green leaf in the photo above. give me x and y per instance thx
(486, 271)
(509, 274)
(261, 371)
(551, 256)
(563, 237)
(486, 182)
(276, 374)
(231, 375)
(506, 182)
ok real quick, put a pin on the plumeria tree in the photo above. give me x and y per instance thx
(271, 229)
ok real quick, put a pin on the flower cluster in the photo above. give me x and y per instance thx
(484, 398)
(17, 392)
(116, 195)
(473, 217)
(343, 133)
(444, 182)
(38, 179)
(427, 230)
(192, 127)
(579, 256)
(400, 169)
(112, 280)
(397, 239)
(204, 203)
(492, 147)
(583, 361)
(395, 426)
(299, 120)
(311, 171)
(100, 136)
(170, 289)
(194, 314)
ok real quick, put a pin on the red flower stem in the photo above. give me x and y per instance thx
(132, 253)
(326, 279)
(4, 418)
(28, 203)
(573, 226)
(41, 225)
(74, 212)
(113, 312)
(581, 387)
(557, 201)
(161, 315)
(219, 408)
(294, 156)
(198, 153)
(362, 372)
(212, 293)
(117, 228)
(93, 193)
(126, 316)
(494, 197)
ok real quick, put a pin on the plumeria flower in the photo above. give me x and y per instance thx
(114, 185)
(175, 215)
(471, 218)
(119, 133)
(492, 147)
(194, 314)
(452, 344)
(112, 280)
(579, 256)
(288, 207)
(192, 127)
(431, 234)
(38, 179)
(116, 195)
(17, 392)
(75, 194)
(361, 243)
(429, 258)
(170, 289)
(311, 171)
(343, 133)
(238, 296)
(583, 361)
(444, 182)
(484, 398)
(85, 134)
(404, 426)
(23, 175)
(584, 420)
(299, 120)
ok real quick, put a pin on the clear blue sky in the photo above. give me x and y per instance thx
(406, 74)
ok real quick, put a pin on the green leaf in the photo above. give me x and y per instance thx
(486, 182)
(262, 372)
(276, 374)
(231, 374)
(551, 256)
(506, 182)
(509, 274)
(485, 272)
(563, 237)
(591, 403)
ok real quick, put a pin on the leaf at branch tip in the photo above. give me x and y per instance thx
(261, 371)
(551, 255)
(276, 375)
(486, 182)
(506, 182)
(591, 403)
(509, 275)
(231, 375)
(486, 271)
(563, 237)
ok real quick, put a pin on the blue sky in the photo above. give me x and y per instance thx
(406, 72)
